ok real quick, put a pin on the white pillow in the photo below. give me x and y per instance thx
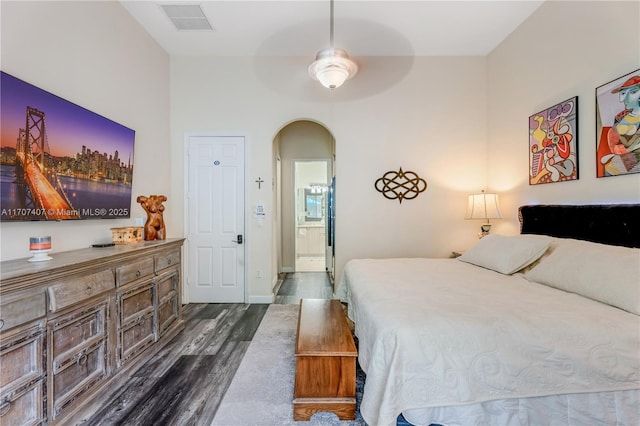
(608, 274)
(506, 254)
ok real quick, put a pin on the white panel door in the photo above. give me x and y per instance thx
(215, 214)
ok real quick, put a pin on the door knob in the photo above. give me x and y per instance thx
(239, 239)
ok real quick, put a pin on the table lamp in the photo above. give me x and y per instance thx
(483, 206)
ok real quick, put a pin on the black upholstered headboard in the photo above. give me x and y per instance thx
(615, 224)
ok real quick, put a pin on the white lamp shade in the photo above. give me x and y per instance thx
(332, 76)
(332, 68)
(483, 206)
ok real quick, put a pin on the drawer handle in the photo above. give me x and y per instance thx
(1, 323)
(137, 274)
(89, 290)
(82, 360)
(5, 407)
(168, 261)
(141, 321)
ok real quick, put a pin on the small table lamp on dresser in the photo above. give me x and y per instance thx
(483, 206)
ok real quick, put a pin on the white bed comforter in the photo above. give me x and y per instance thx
(440, 332)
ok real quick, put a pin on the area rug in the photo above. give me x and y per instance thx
(261, 391)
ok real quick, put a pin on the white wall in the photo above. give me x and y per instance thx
(564, 49)
(95, 55)
(432, 122)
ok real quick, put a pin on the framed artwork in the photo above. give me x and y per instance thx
(58, 160)
(618, 126)
(553, 143)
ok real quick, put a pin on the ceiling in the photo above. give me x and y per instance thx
(362, 27)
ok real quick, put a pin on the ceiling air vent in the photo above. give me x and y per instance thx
(187, 17)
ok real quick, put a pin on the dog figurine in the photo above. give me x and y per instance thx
(154, 227)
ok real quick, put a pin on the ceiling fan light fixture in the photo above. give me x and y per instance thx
(332, 68)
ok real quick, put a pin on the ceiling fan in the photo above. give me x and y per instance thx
(332, 66)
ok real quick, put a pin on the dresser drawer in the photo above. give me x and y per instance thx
(22, 377)
(24, 407)
(167, 285)
(77, 376)
(136, 321)
(126, 274)
(78, 329)
(18, 310)
(135, 302)
(21, 358)
(135, 337)
(167, 314)
(167, 260)
(75, 290)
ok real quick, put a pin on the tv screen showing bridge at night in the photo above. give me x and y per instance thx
(59, 161)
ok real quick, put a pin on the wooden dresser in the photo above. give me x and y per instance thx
(71, 325)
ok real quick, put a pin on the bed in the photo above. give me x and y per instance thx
(540, 328)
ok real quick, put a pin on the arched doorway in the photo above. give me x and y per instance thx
(302, 150)
(311, 206)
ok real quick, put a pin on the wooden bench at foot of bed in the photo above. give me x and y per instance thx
(325, 361)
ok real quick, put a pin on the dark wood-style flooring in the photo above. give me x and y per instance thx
(304, 285)
(185, 382)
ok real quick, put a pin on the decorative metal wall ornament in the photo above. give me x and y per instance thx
(400, 185)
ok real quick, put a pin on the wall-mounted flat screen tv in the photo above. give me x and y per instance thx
(60, 161)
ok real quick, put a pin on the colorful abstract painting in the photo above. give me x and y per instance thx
(618, 126)
(553, 143)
